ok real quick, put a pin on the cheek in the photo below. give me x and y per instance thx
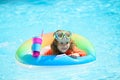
(69, 44)
(59, 47)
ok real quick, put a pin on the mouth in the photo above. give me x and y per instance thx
(64, 48)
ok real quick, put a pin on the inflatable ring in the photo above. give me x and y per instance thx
(24, 53)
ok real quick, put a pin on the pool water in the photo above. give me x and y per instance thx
(97, 20)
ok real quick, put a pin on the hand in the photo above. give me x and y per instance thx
(60, 55)
(74, 55)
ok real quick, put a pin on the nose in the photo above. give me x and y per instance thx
(64, 45)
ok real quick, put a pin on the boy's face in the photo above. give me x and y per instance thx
(63, 47)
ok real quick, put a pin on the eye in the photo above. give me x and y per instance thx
(67, 42)
(61, 43)
(64, 43)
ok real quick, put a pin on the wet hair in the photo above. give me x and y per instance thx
(55, 44)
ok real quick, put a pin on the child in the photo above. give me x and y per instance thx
(62, 44)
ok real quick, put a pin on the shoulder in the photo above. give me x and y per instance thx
(48, 52)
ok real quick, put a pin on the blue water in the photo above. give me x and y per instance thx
(97, 20)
